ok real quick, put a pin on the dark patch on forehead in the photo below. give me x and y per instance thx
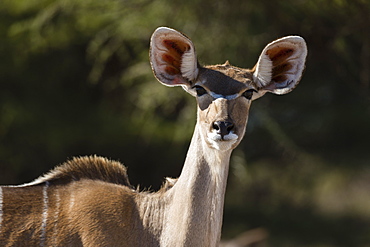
(220, 83)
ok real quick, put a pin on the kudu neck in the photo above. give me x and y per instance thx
(204, 160)
(197, 199)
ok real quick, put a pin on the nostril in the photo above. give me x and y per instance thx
(216, 125)
(229, 126)
(222, 127)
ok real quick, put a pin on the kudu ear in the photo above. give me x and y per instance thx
(173, 58)
(280, 65)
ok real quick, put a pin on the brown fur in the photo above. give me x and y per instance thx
(88, 167)
(88, 201)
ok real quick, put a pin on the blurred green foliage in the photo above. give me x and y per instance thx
(75, 80)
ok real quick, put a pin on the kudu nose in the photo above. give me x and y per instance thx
(223, 127)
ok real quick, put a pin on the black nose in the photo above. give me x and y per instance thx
(223, 127)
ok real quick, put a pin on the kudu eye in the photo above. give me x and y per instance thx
(200, 90)
(249, 93)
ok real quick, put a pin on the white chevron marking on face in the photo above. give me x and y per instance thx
(228, 97)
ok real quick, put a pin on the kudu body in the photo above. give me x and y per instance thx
(89, 201)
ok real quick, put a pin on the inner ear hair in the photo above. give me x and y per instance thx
(173, 57)
(281, 64)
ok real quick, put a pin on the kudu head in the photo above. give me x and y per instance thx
(224, 92)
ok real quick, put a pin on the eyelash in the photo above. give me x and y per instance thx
(200, 90)
(249, 93)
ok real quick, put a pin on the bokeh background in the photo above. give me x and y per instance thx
(75, 80)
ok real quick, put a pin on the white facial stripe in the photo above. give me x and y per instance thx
(1, 206)
(44, 214)
(228, 97)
